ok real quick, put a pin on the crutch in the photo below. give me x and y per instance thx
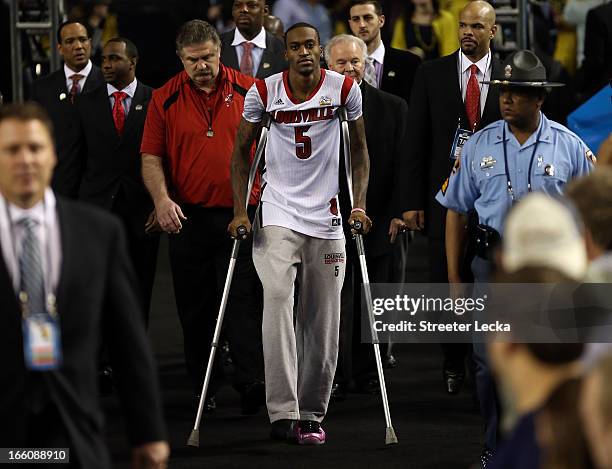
(390, 438)
(194, 437)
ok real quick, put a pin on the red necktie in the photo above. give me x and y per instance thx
(118, 111)
(472, 99)
(75, 88)
(246, 61)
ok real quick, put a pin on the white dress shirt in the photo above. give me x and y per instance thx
(84, 73)
(129, 90)
(47, 231)
(483, 74)
(259, 43)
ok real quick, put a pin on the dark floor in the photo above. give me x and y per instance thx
(435, 430)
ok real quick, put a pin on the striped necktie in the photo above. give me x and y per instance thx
(30, 267)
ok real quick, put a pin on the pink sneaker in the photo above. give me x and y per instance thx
(309, 432)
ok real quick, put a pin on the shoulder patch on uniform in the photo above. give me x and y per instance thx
(444, 187)
(590, 156)
(171, 99)
(456, 166)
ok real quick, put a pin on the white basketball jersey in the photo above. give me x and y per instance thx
(300, 181)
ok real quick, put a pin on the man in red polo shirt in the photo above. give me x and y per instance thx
(186, 151)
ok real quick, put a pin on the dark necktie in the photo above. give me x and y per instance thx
(119, 111)
(246, 61)
(75, 89)
(472, 99)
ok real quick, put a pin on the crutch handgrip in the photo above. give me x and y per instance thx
(266, 121)
(358, 226)
(241, 230)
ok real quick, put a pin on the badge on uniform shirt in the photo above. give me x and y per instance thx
(549, 170)
(487, 162)
(41, 342)
(461, 138)
(590, 156)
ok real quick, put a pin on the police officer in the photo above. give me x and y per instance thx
(511, 157)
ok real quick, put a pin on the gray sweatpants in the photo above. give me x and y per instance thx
(300, 356)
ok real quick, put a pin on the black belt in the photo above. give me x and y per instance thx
(486, 239)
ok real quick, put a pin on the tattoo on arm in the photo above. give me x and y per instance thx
(360, 162)
(247, 132)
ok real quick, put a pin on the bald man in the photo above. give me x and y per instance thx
(447, 100)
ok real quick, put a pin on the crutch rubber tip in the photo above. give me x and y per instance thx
(194, 439)
(390, 438)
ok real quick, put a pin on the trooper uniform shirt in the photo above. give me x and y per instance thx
(479, 179)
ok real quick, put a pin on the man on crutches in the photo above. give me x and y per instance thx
(298, 229)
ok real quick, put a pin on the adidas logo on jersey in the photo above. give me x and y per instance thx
(279, 102)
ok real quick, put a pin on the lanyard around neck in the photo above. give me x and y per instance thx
(48, 290)
(535, 147)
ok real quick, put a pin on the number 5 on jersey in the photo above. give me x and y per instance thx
(303, 145)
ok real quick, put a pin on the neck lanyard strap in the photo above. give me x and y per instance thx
(48, 290)
(535, 147)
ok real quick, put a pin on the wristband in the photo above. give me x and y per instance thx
(357, 209)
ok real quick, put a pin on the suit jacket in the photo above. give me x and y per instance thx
(95, 299)
(385, 120)
(272, 59)
(597, 65)
(112, 163)
(436, 106)
(399, 69)
(46, 92)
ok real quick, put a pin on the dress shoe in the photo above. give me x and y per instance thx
(369, 386)
(389, 361)
(453, 380)
(106, 381)
(253, 397)
(283, 430)
(210, 403)
(338, 393)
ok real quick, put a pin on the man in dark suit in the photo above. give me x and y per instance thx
(447, 96)
(597, 65)
(65, 282)
(58, 92)
(394, 68)
(249, 47)
(385, 128)
(112, 121)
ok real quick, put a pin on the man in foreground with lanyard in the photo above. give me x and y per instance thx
(66, 283)
(521, 153)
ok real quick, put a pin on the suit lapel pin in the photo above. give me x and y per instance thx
(266, 65)
(391, 73)
(138, 107)
(62, 96)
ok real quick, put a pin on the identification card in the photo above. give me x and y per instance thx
(41, 342)
(461, 138)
